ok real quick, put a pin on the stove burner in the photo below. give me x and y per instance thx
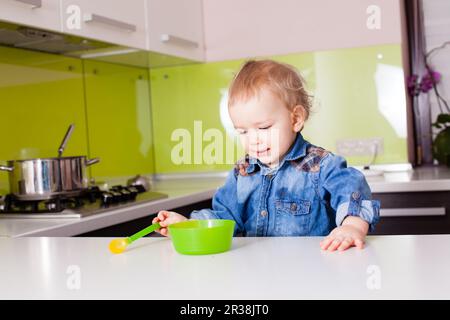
(117, 194)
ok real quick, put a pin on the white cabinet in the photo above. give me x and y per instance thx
(118, 22)
(175, 27)
(236, 29)
(44, 14)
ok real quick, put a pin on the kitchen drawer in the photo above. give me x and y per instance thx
(43, 14)
(118, 22)
(175, 27)
(413, 213)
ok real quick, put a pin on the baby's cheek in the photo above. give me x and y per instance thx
(244, 143)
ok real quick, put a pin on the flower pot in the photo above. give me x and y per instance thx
(441, 147)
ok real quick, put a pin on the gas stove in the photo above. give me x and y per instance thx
(91, 201)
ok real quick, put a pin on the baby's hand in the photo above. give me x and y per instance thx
(342, 238)
(166, 218)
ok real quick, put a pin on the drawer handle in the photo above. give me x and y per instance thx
(33, 3)
(168, 38)
(92, 17)
(412, 212)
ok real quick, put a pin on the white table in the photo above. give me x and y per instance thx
(404, 267)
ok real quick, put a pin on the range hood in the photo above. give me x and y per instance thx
(44, 41)
(29, 38)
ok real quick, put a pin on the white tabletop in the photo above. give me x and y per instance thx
(390, 267)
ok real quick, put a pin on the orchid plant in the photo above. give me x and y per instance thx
(429, 81)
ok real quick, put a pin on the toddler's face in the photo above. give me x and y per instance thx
(266, 127)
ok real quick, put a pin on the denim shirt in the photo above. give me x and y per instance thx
(308, 194)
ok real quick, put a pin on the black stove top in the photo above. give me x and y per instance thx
(91, 201)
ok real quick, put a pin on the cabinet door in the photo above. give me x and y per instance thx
(43, 14)
(118, 22)
(236, 29)
(175, 27)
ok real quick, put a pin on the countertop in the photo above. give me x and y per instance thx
(434, 178)
(181, 192)
(390, 267)
(187, 189)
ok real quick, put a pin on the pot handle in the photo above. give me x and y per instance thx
(6, 168)
(92, 161)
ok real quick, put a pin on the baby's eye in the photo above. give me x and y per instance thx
(241, 132)
(265, 128)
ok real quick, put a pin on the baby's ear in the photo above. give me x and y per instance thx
(298, 116)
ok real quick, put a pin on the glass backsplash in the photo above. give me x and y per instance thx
(118, 119)
(358, 94)
(135, 120)
(41, 94)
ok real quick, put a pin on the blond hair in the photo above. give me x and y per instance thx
(281, 79)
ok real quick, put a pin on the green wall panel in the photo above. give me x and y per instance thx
(358, 94)
(180, 96)
(119, 121)
(40, 95)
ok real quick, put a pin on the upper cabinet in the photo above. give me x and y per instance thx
(170, 27)
(236, 29)
(175, 27)
(44, 14)
(118, 22)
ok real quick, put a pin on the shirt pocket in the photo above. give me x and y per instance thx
(292, 217)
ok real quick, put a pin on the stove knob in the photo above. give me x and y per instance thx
(126, 195)
(117, 196)
(107, 198)
(133, 192)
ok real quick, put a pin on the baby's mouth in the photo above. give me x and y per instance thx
(263, 152)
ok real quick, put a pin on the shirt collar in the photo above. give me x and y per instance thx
(297, 150)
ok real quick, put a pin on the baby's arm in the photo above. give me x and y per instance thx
(350, 196)
(224, 206)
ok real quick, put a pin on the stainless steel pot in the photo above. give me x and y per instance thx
(46, 178)
(40, 179)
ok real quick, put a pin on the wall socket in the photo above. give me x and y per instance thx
(359, 147)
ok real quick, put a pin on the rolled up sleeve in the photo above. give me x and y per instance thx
(347, 191)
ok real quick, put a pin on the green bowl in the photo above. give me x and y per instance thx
(202, 236)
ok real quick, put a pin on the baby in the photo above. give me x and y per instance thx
(285, 186)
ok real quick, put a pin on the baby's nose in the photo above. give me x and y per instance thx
(253, 136)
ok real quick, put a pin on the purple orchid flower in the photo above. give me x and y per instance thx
(416, 85)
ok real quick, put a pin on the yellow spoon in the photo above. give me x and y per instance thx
(119, 245)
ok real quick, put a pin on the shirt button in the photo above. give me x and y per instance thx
(293, 206)
(356, 195)
(263, 213)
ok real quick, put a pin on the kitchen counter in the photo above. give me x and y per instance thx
(188, 189)
(390, 267)
(436, 178)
